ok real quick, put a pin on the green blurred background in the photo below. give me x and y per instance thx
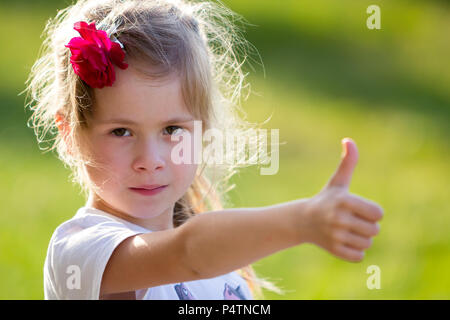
(326, 76)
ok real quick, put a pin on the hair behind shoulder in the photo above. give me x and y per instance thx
(199, 39)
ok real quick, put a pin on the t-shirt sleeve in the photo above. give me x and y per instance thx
(77, 257)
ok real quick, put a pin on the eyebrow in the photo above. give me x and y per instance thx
(131, 122)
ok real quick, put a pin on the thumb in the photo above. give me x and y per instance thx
(349, 159)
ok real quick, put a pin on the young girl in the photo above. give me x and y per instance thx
(118, 79)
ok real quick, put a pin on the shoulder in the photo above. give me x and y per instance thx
(89, 228)
(87, 217)
(83, 244)
(92, 223)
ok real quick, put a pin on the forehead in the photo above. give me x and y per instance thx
(140, 99)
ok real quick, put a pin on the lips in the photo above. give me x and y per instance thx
(149, 186)
(149, 190)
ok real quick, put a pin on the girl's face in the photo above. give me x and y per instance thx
(129, 134)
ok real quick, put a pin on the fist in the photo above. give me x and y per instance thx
(338, 221)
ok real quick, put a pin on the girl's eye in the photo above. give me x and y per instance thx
(172, 130)
(119, 132)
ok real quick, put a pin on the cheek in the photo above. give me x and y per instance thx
(109, 163)
(184, 174)
(108, 154)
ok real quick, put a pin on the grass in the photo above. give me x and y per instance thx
(325, 78)
(403, 167)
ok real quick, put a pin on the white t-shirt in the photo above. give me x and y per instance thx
(81, 247)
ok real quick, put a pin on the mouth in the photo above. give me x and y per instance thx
(149, 190)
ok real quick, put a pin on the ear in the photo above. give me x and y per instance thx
(64, 129)
(61, 124)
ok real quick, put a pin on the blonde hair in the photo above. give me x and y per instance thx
(198, 39)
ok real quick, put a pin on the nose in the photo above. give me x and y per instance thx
(148, 157)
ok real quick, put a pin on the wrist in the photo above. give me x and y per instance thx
(301, 221)
(295, 216)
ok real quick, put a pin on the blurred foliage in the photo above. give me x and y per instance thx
(324, 76)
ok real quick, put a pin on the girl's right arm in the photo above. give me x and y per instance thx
(207, 245)
(215, 243)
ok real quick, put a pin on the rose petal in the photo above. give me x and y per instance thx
(93, 55)
(117, 55)
(85, 30)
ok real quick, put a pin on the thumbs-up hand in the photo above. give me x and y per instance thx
(340, 222)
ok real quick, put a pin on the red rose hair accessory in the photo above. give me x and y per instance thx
(93, 55)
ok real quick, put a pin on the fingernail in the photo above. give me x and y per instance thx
(344, 148)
